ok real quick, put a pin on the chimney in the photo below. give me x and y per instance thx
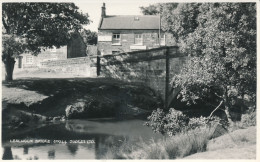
(103, 12)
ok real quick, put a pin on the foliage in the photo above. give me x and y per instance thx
(221, 38)
(32, 27)
(42, 24)
(153, 9)
(89, 37)
(175, 122)
(177, 146)
(11, 43)
(156, 121)
(249, 119)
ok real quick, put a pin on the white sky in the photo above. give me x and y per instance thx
(113, 7)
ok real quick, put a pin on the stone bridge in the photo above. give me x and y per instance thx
(154, 68)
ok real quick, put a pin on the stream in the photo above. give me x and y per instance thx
(76, 139)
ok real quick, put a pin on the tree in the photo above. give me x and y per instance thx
(180, 19)
(223, 50)
(153, 9)
(89, 37)
(32, 27)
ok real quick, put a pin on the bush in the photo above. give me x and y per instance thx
(249, 119)
(175, 121)
(171, 123)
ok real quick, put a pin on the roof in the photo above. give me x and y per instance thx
(130, 22)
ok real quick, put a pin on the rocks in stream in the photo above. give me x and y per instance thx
(92, 108)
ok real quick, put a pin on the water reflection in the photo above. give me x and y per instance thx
(25, 150)
(8, 155)
(51, 154)
(105, 134)
(73, 148)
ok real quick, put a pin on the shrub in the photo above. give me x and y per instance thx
(175, 122)
(249, 119)
(156, 121)
(197, 122)
(171, 123)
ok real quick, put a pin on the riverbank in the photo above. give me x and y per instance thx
(59, 99)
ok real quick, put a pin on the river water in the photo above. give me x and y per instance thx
(76, 139)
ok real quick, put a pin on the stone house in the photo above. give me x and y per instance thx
(120, 33)
(75, 48)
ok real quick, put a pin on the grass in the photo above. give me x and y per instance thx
(178, 146)
(236, 138)
(199, 142)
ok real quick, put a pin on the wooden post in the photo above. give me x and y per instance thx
(98, 66)
(167, 77)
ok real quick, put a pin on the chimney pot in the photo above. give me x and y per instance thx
(103, 10)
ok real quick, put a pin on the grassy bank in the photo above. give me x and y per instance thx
(194, 144)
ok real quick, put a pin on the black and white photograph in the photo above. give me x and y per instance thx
(132, 80)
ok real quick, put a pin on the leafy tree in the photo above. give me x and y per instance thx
(89, 37)
(158, 8)
(180, 19)
(153, 9)
(223, 50)
(32, 27)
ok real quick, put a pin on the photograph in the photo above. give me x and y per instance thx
(131, 80)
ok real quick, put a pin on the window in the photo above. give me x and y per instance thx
(116, 39)
(138, 39)
(29, 59)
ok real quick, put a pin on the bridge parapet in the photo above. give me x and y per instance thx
(154, 68)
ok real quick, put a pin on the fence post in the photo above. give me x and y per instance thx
(167, 66)
(98, 66)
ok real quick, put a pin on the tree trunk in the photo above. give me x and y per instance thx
(227, 111)
(9, 68)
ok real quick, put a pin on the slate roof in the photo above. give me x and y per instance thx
(130, 22)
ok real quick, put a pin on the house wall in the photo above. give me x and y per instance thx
(150, 40)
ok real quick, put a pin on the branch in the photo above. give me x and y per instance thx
(217, 95)
(5, 25)
(215, 109)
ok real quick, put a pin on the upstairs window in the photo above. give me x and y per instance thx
(116, 40)
(139, 39)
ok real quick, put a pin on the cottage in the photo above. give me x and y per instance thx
(120, 33)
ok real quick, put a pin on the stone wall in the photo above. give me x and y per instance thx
(91, 50)
(45, 55)
(154, 67)
(85, 66)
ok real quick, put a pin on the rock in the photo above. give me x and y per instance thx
(56, 118)
(72, 111)
(63, 118)
(21, 125)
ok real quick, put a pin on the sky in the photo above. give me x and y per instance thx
(113, 7)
